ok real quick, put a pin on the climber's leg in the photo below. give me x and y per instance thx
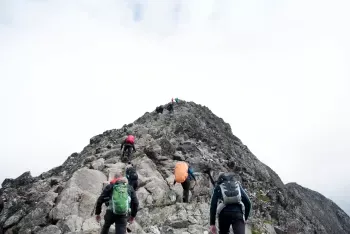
(186, 190)
(120, 224)
(109, 220)
(134, 184)
(224, 222)
(238, 226)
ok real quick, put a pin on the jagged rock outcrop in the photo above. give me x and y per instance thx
(61, 200)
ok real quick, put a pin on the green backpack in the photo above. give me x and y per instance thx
(120, 199)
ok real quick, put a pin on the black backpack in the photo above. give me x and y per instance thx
(131, 173)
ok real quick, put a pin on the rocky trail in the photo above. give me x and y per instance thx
(62, 199)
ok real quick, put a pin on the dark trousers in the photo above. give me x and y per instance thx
(186, 187)
(120, 223)
(134, 184)
(127, 148)
(226, 219)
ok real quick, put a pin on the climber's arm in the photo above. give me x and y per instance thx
(190, 171)
(246, 202)
(214, 204)
(105, 195)
(134, 202)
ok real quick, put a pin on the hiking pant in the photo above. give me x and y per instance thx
(120, 223)
(226, 219)
(127, 148)
(186, 187)
(134, 184)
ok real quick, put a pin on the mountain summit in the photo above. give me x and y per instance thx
(62, 199)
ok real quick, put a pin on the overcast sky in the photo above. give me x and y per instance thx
(276, 70)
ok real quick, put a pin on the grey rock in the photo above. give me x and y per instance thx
(52, 229)
(71, 223)
(112, 160)
(178, 157)
(37, 217)
(79, 195)
(14, 219)
(98, 164)
(89, 159)
(153, 150)
(166, 146)
(23, 179)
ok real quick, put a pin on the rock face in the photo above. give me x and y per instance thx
(62, 199)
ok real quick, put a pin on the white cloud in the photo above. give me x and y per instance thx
(277, 71)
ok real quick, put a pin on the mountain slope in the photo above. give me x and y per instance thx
(61, 200)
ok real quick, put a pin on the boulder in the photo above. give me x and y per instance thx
(98, 164)
(52, 229)
(79, 195)
(71, 223)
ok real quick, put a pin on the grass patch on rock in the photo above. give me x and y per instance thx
(262, 197)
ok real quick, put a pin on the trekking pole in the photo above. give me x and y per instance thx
(211, 179)
(93, 210)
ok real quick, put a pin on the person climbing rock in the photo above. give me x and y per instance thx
(233, 208)
(128, 144)
(184, 175)
(170, 107)
(160, 109)
(1, 204)
(122, 197)
(132, 176)
(177, 100)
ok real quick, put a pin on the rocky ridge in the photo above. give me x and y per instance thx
(61, 200)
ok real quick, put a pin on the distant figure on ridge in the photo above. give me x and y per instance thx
(184, 175)
(1, 204)
(128, 144)
(159, 109)
(170, 106)
(132, 176)
(122, 198)
(177, 100)
(233, 208)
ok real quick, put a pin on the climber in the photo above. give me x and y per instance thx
(170, 107)
(131, 175)
(1, 207)
(234, 205)
(159, 109)
(122, 198)
(128, 143)
(1, 204)
(177, 100)
(184, 175)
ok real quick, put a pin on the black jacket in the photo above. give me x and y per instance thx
(131, 173)
(106, 195)
(234, 208)
(127, 144)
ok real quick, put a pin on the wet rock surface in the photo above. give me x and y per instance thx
(62, 199)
